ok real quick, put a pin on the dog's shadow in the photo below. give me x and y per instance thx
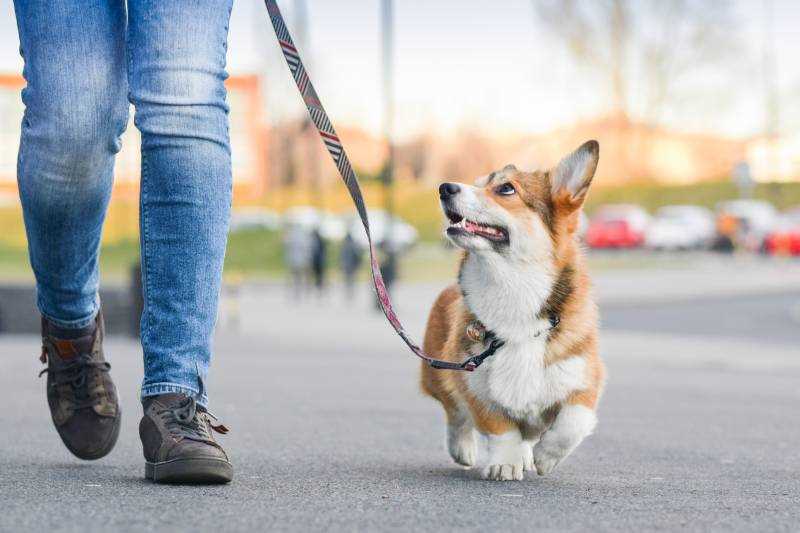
(446, 473)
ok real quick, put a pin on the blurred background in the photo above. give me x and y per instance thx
(694, 102)
(692, 229)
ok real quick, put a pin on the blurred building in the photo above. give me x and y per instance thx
(631, 152)
(249, 141)
(774, 159)
(637, 152)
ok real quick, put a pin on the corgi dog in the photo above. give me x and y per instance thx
(523, 281)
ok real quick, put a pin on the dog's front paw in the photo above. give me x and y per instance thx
(506, 472)
(506, 458)
(547, 458)
(463, 447)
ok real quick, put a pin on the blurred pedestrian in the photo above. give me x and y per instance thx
(727, 231)
(85, 63)
(319, 258)
(388, 266)
(350, 258)
(297, 249)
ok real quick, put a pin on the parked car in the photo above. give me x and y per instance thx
(680, 227)
(617, 226)
(755, 219)
(244, 218)
(785, 238)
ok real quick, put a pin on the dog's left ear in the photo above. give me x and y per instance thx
(570, 180)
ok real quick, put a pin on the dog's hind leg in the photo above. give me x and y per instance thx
(531, 430)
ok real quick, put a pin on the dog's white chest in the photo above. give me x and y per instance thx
(516, 380)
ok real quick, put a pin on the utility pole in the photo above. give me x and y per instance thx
(301, 14)
(769, 71)
(771, 98)
(389, 265)
(387, 33)
(308, 133)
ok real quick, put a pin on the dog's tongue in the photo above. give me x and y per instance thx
(472, 227)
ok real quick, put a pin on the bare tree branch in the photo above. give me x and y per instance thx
(641, 49)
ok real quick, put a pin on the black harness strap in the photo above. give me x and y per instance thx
(494, 344)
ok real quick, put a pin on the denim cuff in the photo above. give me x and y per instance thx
(155, 389)
(71, 324)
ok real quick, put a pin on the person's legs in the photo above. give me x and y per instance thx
(75, 112)
(176, 76)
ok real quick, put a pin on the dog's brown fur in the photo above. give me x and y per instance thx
(575, 336)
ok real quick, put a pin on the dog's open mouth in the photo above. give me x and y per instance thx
(462, 226)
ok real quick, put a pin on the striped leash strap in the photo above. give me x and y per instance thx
(320, 119)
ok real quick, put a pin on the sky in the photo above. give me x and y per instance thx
(459, 63)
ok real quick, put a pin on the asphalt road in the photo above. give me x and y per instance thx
(771, 317)
(699, 431)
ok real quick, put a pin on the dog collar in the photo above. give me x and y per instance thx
(477, 332)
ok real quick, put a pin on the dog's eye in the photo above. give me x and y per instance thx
(505, 189)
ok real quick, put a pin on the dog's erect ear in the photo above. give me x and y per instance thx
(570, 180)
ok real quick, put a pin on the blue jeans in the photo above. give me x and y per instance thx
(85, 60)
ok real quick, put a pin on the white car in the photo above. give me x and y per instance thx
(330, 226)
(680, 227)
(244, 218)
(403, 235)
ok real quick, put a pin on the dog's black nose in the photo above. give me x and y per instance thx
(447, 189)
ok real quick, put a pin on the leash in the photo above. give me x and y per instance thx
(320, 119)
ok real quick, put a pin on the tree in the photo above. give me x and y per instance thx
(642, 49)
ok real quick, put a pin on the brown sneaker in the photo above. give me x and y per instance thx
(177, 442)
(82, 398)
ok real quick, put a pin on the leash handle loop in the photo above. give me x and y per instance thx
(334, 146)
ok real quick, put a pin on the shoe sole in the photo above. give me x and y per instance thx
(190, 471)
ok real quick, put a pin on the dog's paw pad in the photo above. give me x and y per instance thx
(505, 472)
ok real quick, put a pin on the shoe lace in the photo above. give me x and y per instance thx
(77, 373)
(190, 421)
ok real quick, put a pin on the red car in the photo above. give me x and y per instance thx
(618, 226)
(785, 238)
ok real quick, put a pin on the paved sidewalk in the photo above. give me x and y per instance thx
(329, 433)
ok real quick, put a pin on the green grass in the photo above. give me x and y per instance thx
(258, 253)
(249, 253)
(14, 263)
(653, 196)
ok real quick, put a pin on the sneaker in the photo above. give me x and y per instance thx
(83, 400)
(178, 444)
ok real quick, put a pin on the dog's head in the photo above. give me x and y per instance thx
(524, 215)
